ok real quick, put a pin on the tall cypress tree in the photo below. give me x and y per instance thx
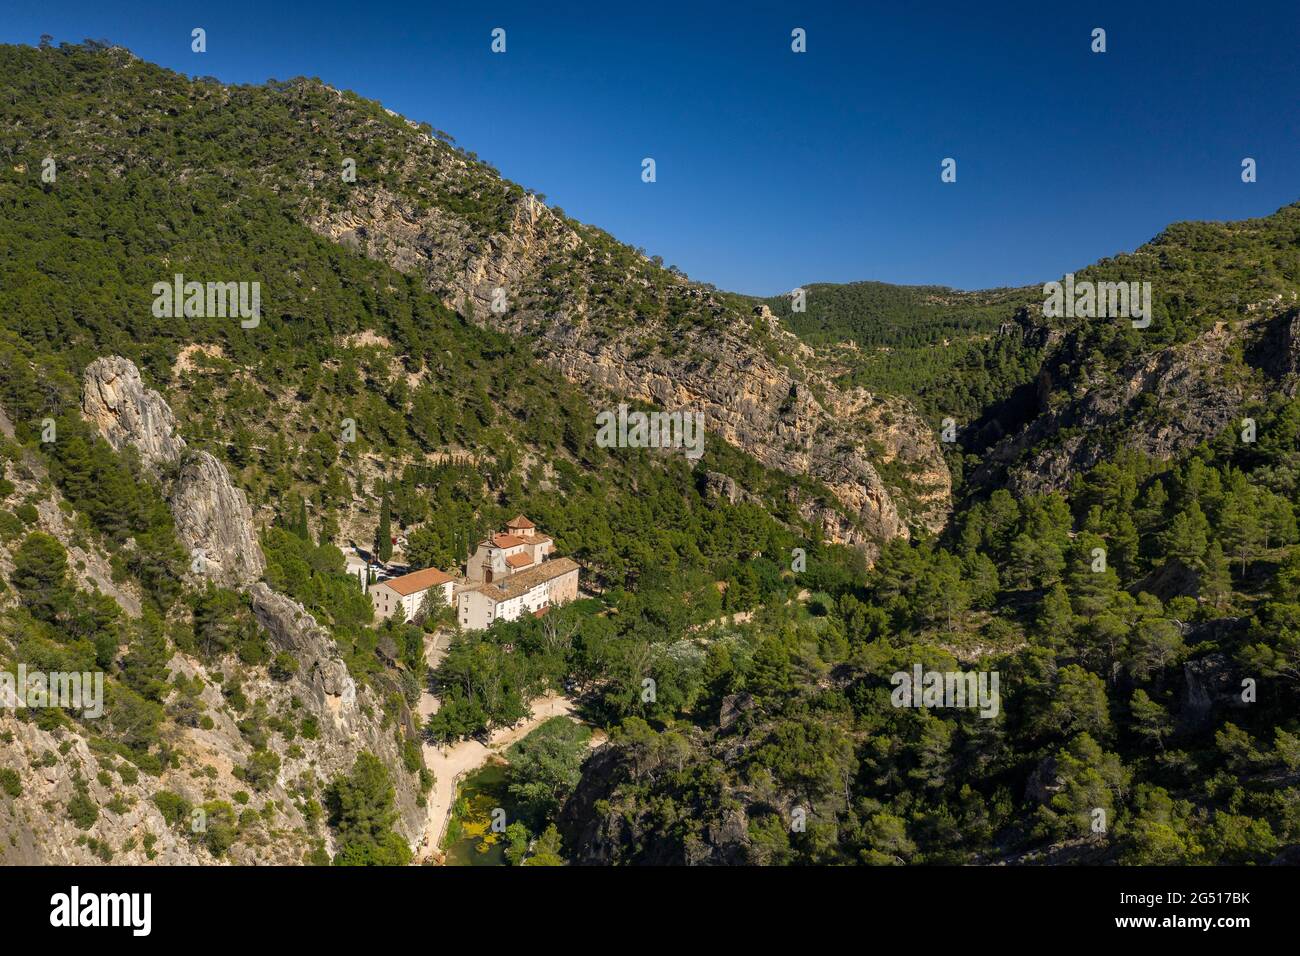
(384, 534)
(300, 520)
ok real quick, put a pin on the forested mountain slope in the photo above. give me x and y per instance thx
(1120, 555)
(1221, 347)
(926, 342)
(1135, 594)
(223, 697)
(1060, 394)
(602, 313)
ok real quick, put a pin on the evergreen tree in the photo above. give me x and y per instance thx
(1092, 581)
(943, 594)
(1239, 519)
(362, 805)
(40, 575)
(1278, 520)
(1123, 542)
(144, 669)
(1151, 510)
(1150, 720)
(1188, 536)
(1216, 579)
(771, 674)
(547, 851)
(384, 533)
(1055, 623)
(298, 525)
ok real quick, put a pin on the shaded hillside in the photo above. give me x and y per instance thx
(1222, 344)
(1055, 395)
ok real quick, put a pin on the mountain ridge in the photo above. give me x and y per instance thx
(613, 321)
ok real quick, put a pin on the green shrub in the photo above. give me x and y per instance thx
(82, 809)
(284, 666)
(173, 806)
(261, 769)
(10, 783)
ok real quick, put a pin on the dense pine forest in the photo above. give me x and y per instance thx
(1139, 600)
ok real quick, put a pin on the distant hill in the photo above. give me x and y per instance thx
(929, 343)
(875, 314)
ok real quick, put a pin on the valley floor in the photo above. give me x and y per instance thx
(449, 764)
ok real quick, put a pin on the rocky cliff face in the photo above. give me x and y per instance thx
(622, 327)
(604, 828)
(51, 765)
(611, 319)
(212, 516)
(127, 414)
(47, 771)
(1163, 404)
(348, 715)
(628, 805)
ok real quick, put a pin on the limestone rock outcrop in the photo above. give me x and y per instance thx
(346, 718)
(347, 714)
(126, 413)
(623, 327)
(213, 519)
(213, 516)
(1164, 403)
(293, 629)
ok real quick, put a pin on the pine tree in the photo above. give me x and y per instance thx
(1055, 622)
(1025, 561)
(1150, 719)
(771, 674)
(1151, 511)
(40, 576)
(1278, 518)
(1123, 543)
(1187, 537)
(362, 805)
(1092, 585)
(144, 668)
(1239, 519)
(943, 594)
(1216, 580)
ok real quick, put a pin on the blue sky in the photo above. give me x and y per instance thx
(777, 169)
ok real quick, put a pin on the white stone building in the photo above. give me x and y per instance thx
(512, 573)
(404, 595)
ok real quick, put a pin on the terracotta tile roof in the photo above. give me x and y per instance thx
(525, 581)
(507, 541)
(520, 560)
(417, 581)
(519, 521)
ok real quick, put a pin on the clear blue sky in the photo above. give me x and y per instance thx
(776, 168)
